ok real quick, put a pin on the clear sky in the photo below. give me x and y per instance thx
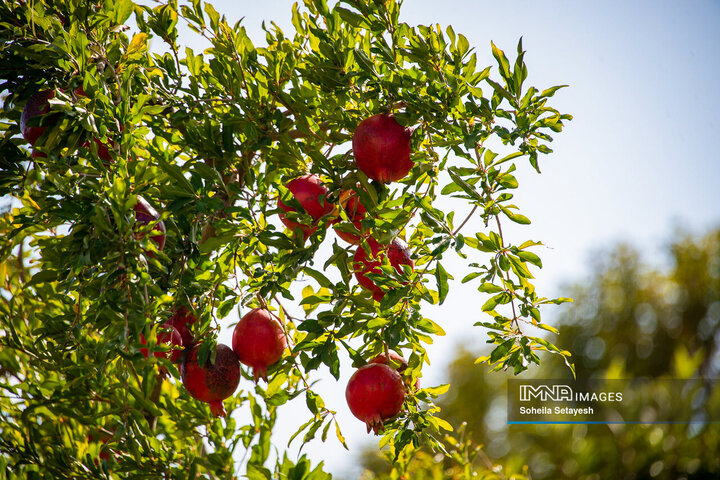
(639, 160)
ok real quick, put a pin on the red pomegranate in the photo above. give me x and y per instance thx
(399, 364)
(169, 336)
(381, 147)
(350, 202)
(211, 383)
(308, 191)
(375, 393)
(145, 215)
(259, 341)
(181, 320)
(36, 105)
(398, 254)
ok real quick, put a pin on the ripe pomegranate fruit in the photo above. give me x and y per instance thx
(169, 336)
(146, 214)
(350, 202)
(259, 341)
(211, 383)
(398, 254)
(375, 393)
(36, 105)
(399, 364)
(381, 147)
(181, 320)
(308, 191)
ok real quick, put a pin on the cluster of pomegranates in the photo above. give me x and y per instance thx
(258, 342)
(381, 148)
(376, 391)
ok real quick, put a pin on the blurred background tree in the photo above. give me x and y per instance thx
(631, 319)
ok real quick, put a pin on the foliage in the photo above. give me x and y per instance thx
(210, 138)
(628, 321)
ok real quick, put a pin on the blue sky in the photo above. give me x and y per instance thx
(638, 161)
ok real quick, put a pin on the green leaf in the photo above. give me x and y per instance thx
(547, 327)
(516, 217)
(464, 185)
(471, 276)
(490, 288)
(176, 173)
(339, 435)
(494, 301)
(322, 280)
(300, 430)
(502, 62)
(441, 277)
(314, 402)
(437, 391)
(501, 350)
(530, 257)
(549, 92)
(257, 472)
(353, 18)
(123, 10)
(137, 45)
(489, 157)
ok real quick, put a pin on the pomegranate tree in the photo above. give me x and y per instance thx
(397, 253)
(212, 382)
(169, 336)
(310, 193)
(375, 393)
(259, 341)
(350, 203)
(381, 147)
(145, 214)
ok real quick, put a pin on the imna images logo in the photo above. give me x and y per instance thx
(544, 393)
(560, 393)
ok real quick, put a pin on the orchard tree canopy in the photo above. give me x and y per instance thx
(150, 195)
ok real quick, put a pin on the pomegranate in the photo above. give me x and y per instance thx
(259, 341)
(168, 336)
(145, 215)
(381, 147)
(398, 254)
(181, 320)
(36, 105)
(211, 383)
(375, 393)
(308, 191)
(350, 202)
(400, 365)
